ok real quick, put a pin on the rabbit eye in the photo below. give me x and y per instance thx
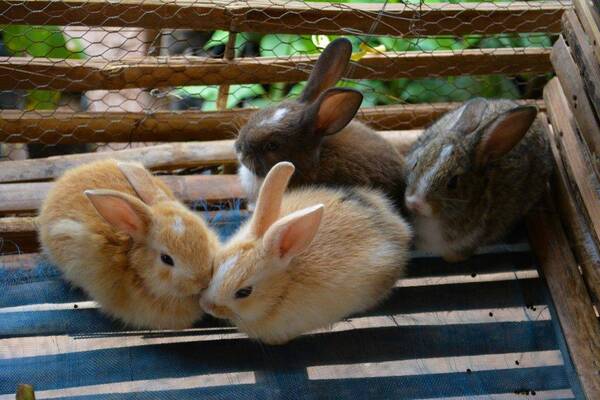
(243, 293)
(167, 259)
(453, 182)
(271, 146)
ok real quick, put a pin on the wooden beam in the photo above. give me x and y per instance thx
(28, 197)
(579, 103)
(576, 158)
(164, 157)
(18, 235)
(573, 306)
(590, 20)
(584, 244)
(153, 72)
(583, 53)
(67, 127)
(284, 16)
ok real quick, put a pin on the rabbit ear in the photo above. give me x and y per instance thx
(124, 212)
(468, 117)
(503, 133)
(293, 233)
(334, 110)
(270, 196)
(328, 70)
(141, 180)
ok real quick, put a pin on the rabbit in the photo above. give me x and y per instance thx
(118, 233)
(318, 135)
(473, 174)
(307, 259)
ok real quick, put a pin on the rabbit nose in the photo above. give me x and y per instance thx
(417, 205)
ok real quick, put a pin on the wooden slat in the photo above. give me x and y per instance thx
(579, 103)
(292, 16)
(585, 245)
(161, 157)
(169, 156)
(27, 197)
(591, 23)
(573, 306)
(574, 154)
(153, 72)
(52, 127)
(582, 52)
(18, 235)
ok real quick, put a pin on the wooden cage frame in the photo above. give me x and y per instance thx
(565, 235)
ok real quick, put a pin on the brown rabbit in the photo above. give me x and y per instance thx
(317, 134)
(473, 174)
(307, 259)
(141, 254)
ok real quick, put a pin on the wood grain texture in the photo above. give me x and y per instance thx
(579, 103)
(27, 197)
(154, 72)
(283, 16)
(571, 299)
(583, 53)
(577, 159)
(164, 157)
(585, 244)
(590, 20)
(67, 127)
(18, 235)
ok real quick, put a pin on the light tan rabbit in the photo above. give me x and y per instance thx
(307, 259)
(141, 254)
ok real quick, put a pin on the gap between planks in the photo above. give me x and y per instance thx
(297, 17)
(153, 72)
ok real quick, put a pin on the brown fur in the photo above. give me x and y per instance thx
(490, 196)
(327, 150)
(358, 253)
(122, 274)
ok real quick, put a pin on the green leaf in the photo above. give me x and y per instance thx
(394, 44)
(297, 89)
(220, 38)
(238, 93)
(40, 41)
(273, 45)
(42, 99)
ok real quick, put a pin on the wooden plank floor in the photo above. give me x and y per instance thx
(479, 329)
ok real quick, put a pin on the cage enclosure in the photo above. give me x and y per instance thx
(169, 83)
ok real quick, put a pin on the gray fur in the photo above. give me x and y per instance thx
(489, 198)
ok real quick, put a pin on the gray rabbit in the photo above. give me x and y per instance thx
(473, 174)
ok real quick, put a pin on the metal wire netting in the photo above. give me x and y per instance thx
(95, 76)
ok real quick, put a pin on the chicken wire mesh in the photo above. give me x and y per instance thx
(94, 76)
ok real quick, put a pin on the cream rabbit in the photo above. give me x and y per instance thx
(143, 259)
(307, 259)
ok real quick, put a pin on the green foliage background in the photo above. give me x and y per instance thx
(50, 42)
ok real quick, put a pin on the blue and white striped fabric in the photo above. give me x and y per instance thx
(481, 329)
